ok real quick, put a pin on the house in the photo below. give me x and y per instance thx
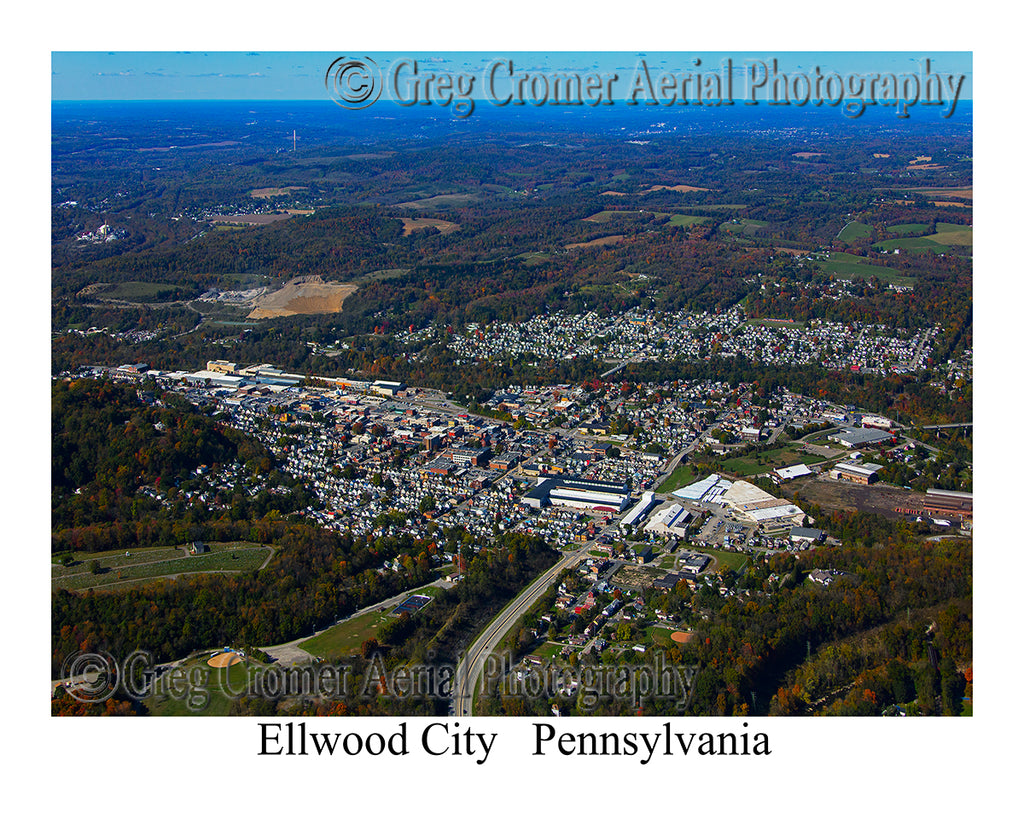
(198, 548)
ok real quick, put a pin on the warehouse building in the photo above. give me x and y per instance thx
(788, 473)
(706, 490)
(851, 438)
(949, 504)
(596, 495)
(639, 510)
(757, 506)
(669, 521)
(855, 472)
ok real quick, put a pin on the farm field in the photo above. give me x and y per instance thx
(854, 230)
(676, 188)
(946, 236)
(139, 566)
(601, 242)
(903, 230)
(605, 216)
(410, 224)
(742, 227)
(848, 266)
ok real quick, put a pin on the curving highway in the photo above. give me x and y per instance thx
(471, 666)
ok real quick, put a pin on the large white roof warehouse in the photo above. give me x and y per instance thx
(757, 505)
(705, 490)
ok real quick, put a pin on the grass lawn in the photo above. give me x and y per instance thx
(771, 459)
(659, 635)
(548, 651)
(346, 639)
(687, 220)
(731, 560)
(681, 476)
(149, 564)
(141, 291)
(903, 230)
(854, 230)
(201, 690)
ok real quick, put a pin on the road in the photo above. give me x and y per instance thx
(471, 666)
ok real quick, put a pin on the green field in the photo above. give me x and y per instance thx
(730, 560)
(854, 230)
(205, 691)
(799, 325)
(346, 639)
(659, 635)
(686, 220)
(140, 291)
(681, 476)
(143, 565)
(548, 651)
(848, 266)
(742, 227)
(770, 459)
(903, 230)
(946, 236)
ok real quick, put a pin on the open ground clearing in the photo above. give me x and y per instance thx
(303, 296)
(138, 566)
(410, 224)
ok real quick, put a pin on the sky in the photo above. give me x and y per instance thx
(284, 75)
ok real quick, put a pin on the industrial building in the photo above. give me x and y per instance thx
(851, 438)
(855, 472)
(800, 534)
(788, 473)
(597, 495)
(669, 521)
(757, 506)
(706, 490)
(639, 510)
(949, 504)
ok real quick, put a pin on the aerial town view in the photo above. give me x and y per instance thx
(508, 394)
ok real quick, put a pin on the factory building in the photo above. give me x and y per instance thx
(669, 521)
(639, 510)
(855, 472)
(949, 504)
(851, 438)
(597, 495)
(788, 473)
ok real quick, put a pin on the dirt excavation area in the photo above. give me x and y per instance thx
(306, 295)
(879, 498)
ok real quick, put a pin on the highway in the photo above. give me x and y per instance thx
(471, 666)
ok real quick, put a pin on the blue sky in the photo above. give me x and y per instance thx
(276, 75)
